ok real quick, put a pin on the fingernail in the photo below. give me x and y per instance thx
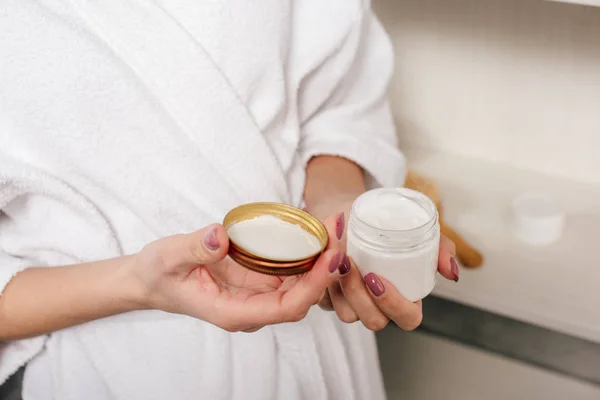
(336, 261)
(374, 284)
(211, 241)
(345, 267)
(454, 268)
(339, 226)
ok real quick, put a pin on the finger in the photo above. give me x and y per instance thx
(343, 309)
(405, 314)
(447, 265)
(310, 287)
(325, 301)
(335, 226)
(293, 304)
(359, 299)
(206, 246)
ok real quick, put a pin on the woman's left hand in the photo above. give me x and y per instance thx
(372, 300)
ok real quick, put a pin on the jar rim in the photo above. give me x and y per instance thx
(394, 238)
(287, 213)
(404, 192)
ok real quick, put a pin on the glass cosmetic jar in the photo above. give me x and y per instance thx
(395, 233)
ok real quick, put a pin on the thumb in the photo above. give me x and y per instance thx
(206, 246)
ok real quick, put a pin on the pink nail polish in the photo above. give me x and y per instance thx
(339, 226)
(211, 241)
(336, 261)
(454, 268)
(345, 267)
(374, 284)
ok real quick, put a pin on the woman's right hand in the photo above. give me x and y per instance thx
(191, 274)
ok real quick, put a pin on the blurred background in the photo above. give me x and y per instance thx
(493, 99)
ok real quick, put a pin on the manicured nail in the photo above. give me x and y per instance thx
(336, 261)
(211, 241)
(454, 268)
(339, 226)
(374, 284)
(345, 267)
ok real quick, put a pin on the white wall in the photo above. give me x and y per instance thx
(516, 81)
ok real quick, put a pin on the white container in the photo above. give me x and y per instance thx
(395, 234)
(537, 219)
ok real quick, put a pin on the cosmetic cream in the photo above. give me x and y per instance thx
(273, 238)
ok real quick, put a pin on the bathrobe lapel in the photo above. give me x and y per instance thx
(179, 72)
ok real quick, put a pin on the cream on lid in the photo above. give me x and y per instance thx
(393, 213)
(275, 239)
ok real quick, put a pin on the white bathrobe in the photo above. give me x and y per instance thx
(123, 121)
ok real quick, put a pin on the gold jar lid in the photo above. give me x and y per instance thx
(286, 213)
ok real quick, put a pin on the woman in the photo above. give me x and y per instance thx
(126, 126)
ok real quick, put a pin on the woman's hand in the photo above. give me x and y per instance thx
(185, 274)
(190, 274)
(372, 300)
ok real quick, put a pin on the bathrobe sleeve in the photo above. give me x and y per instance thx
(10, 263)
(13, 354)
(9, 267)
(45, 222)
(353, 119)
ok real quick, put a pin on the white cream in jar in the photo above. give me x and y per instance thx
(395, 234)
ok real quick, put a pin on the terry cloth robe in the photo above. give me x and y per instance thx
(124, 121)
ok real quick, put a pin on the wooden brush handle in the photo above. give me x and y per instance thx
(468, 256)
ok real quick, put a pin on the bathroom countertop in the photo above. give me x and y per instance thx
(555, 286)
(545, 348)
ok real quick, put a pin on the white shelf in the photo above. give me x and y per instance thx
(557, 287)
